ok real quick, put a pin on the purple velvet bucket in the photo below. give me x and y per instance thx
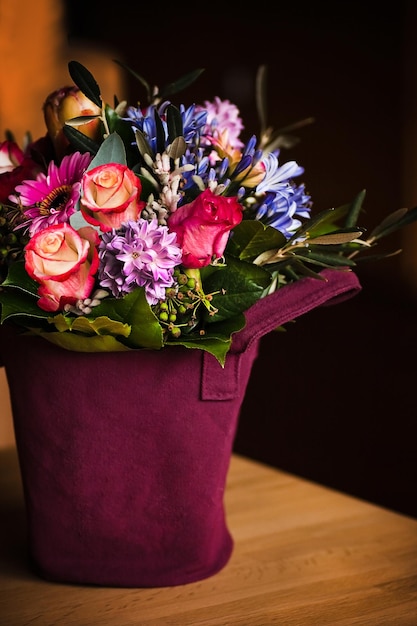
(124, 456)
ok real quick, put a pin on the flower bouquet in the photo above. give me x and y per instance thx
(154, 225)
(144, 251)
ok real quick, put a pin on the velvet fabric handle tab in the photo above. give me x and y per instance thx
(265, 315)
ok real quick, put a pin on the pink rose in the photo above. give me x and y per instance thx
(64, 262)
(203, 226)
(110, 196)
(15, 166)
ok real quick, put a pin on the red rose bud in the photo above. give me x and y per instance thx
(63, 105)
(203, 227)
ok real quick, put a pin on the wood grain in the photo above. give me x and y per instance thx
(304, 555)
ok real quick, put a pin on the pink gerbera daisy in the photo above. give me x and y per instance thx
(51, 198)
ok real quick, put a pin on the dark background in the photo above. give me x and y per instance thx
(331, 399)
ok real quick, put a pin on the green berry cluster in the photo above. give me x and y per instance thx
(177, 314)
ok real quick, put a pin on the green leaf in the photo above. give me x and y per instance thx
(19, 278)
(180, 84)
(112, 150)
(133, 309)
(250, 238)
(224, 329)
(283, 137)
(80, 141)
(322, 223)
(235, 288)
(101, 325)
(355, 208)
(148, 185)
(143, 82)
(296, 269)
(261, 97)
(19, 298)
(16, 303)
(217, 348)
(216, 340)
(79, 343)
(143, 145)
(81, 120)
(393, 222)
(174, 123)
(85, 81)
(324, 257)
(328, 221)
(12, 311)
(177, 148)
(123, 128)
(160, 133)
(336, 237)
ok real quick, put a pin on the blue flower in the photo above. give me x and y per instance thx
(144, 120)
(283, 208)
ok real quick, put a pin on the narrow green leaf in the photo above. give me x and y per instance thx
(261, 97)
(174, 123)
(341, 236)
(298, 269)
(293, 269)
(355, 208)
(85, 81)
(393, 222)
(143, 145)
(283, 137)
(81, 120)
(326, 258)
(142, 81)
(180, 84)
(80, 141)
(160, 134)
(312, 225)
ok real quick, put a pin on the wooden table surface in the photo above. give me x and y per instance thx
(304, 555)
